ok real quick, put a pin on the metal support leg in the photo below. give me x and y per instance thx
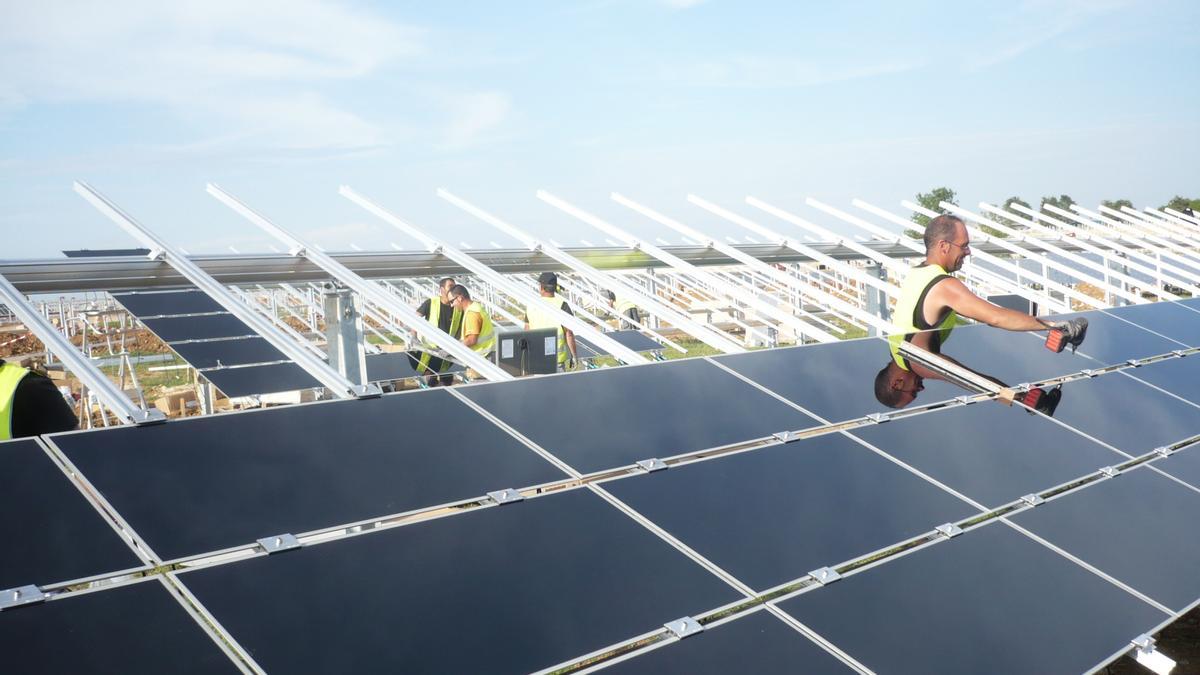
(876, 300)
(344, 334)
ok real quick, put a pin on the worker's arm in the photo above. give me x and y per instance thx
(954, 294)
(470, 340)
(569, 336)
(423, 309)
(472, 326)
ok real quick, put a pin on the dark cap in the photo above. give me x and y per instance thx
(548, 279)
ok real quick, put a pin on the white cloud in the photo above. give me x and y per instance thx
(1035, 23)
(754, 71)
(472, 115)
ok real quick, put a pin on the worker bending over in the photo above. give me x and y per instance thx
(30, 404)
(437, 311)
(931, 300)
(536, 316)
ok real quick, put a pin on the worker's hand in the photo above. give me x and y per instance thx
(1071, 331)
(570, 364)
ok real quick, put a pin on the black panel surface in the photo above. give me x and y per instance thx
(234, 352)
(1138, 527)
(759, 643)
(1111, 340)
(198, 327)
(1168, 318)
(261, 379)
(774, 514)
(990, 452)
(50, 532)
(1125, 413)
(133, 629)
(395, 366)
(509, 589)
(1180, 376)
(171, 302)
(1183, 464)
(201, 484)
(615, 416)
(632, 339)
(987, 601)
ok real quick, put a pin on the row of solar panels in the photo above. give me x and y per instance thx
(529, 585)
(240, 363)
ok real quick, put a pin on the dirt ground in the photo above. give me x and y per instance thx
(1179, 641)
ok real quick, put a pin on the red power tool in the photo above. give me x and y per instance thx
(1063, 333)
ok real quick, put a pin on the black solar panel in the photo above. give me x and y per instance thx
(395, 366)
(499, 590)
(234, 352)
(131, 629)
(1184, 465)
(201, 484)
(1167, 318)
(615, 416)
(1136, 527)
(143, 305)
(50, 532)
(759, 643)
(772, 515)
(632, 339)
(269, 379)
(988, 601)
(1178, 376)
(1111, 340)
(202, 327)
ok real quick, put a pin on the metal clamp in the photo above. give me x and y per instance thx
(1109, 471)
(1032, 499)
(684, 627)
(23, 595)
(1148, 655)
(949, 530)
(506, 496)
(965, 400)
(825, 575)
(651, 465)
(1163, 451)
(878, 418)
(786, 436)
(1088, 372)
(279, 543)
(1180, 352)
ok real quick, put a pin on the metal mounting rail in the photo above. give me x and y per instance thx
(160, 249)
(369, 290)
(642, 298)
(496, 279)
(1157, 244)
(96, 381)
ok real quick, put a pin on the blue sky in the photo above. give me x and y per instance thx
(282, 102)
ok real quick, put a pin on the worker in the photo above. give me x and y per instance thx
(30, 404)
(932, 299)
(477, 330)
(437, 310)
(627, 313)
(536, 316)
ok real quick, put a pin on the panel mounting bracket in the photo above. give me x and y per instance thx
(23, 595)
(1146, 654)
(1032, 499)
(279, 543)
(651, 465)
(825, 575)
(949, 530)
(878, 418)
(1134, 362)
(684, 627)
(786, 436)
(965, 400)
(1164, 451)
(1109, 471)
(1180, 352)
(506, 496)
(1088, 372)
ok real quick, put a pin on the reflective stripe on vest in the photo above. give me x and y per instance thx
(487, 338)
(622, 306)
(10, 377)
(435, 316)
(912, 300)
(540, 318)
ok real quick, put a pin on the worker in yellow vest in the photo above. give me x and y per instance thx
(437, 311)
(477, 332)
(30, 404)
(932, 299)
(536, 316)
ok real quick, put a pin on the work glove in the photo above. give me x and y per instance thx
(1063, 333)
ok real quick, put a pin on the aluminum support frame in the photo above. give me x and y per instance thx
(159, 248)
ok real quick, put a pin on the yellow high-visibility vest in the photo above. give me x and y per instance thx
(487, 337)
(10, 376)
(539, 318)
(435, 315)
(909, 318)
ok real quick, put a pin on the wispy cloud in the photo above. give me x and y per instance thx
(752, 71)
(472, 116)
(1037, 22)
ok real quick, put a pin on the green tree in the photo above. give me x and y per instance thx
(993, 232)
(1116, 204)
(930, 200)
(1062, 201)
(1180, 203)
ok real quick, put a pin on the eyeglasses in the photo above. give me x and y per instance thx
(455, 298)
(965, 247)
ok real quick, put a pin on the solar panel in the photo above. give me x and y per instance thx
(1167, 318)
(632, 339)
(143, 305)
(138, 628)
(1178, 376)
(1111, 340)
(988, 601)
(771, 515)
(201, 484)
(610, 417)
(203, 327)
(395, 366)
(235, 352)
(506, 589)
(989, 452)
(50, 532)
(758, 643)
(1184, 465)
(1137, 527)
(1125, 413)
(267, 379)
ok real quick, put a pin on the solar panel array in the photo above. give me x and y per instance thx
(650, 518)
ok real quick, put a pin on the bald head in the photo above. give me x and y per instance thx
(942, 228)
